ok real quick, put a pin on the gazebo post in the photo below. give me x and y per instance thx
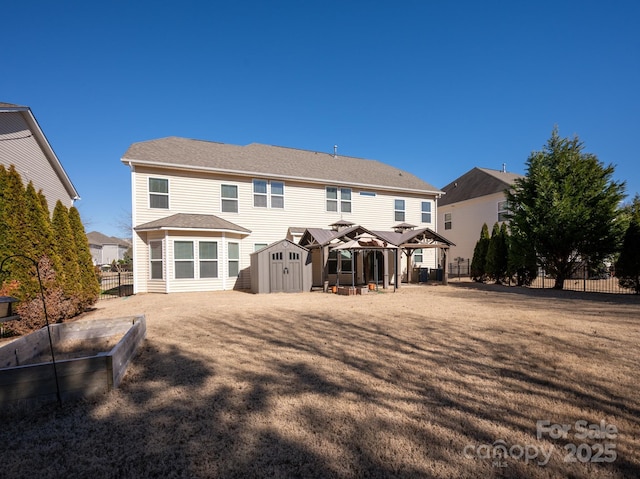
(445, 273)
(398, 262)
(385, 281)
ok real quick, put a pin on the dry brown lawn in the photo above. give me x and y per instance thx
(416, 383)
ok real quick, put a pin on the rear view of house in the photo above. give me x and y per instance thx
(201, 208)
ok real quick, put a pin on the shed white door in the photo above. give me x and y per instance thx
(285, 271)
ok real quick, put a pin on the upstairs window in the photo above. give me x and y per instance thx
(159, 193)
(399, 210)
(277, 194)
(229, 196)
(426, 212)
(268, 194)
(260, 193)
(338, 199)
(447, 221)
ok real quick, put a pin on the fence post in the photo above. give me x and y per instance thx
(584, 278)
(119, 285)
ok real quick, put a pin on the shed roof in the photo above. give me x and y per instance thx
(184, 221)
(476, 183)
(274, 161)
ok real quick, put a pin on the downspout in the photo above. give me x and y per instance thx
(134, 239)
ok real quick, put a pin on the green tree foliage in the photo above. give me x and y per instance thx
(89, 287)
(566, 208)
(40, 231)
(18, 236)
(522, 262)
(496, 261)
(66, 250)
(480, 255)
(628, 264)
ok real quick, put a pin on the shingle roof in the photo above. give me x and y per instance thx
(475, 183)
(273, 161)
(192, 222)
(97, 238)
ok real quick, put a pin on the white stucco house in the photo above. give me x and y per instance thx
(475, 198)
(24, 145)
(201, 208)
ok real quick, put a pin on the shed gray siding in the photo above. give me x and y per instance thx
(262, 268)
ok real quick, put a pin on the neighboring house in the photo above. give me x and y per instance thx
(106, 249)
(200, 208)
(475, 198)
(23, 144)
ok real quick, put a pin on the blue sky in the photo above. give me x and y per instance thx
(431, 87)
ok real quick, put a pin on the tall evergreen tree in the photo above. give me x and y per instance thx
(480, 255)
(90, 289)
(18, 235)
(522, 262)
(566, 208)
(628, 265)
(40, 231)
(496, 261)
(66, 250)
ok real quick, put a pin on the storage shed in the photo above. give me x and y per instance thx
(282, 266)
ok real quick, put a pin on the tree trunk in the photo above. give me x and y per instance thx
(559, 284)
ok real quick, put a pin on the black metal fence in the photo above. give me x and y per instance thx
(116, 285)
(584, 280)
(459, 268)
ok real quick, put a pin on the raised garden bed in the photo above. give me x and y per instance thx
(91, 358)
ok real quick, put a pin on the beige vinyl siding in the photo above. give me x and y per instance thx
(20, 148)
(467, 218)
(304, 206)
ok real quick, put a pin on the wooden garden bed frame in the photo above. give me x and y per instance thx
(77, 377)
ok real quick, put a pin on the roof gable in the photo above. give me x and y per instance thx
(273, 161)
(36, 141)
(476, 183)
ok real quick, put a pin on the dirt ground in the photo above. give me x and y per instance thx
(430, 381)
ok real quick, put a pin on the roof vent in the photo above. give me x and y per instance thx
(504, 167)
(335, 151)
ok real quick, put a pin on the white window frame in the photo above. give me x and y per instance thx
(231, 260)
(399, 214)
(177, 260)
(229, 198)
(418, 253)
(343, 200)
(259, 246)
(157, 193)
(426, 212)
(273, 195)
(202, 260)
(156, 260)
(260, 194)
